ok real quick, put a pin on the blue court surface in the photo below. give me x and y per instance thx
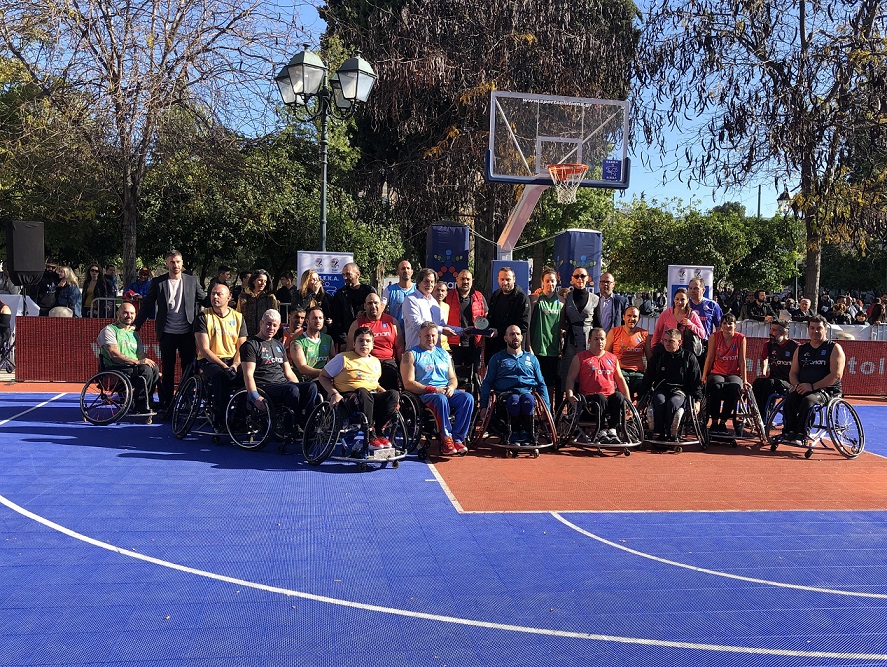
(124, 546)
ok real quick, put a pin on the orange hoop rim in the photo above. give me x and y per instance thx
(567, 169)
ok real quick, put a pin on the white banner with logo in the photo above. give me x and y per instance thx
(328, 266)
(680, 276)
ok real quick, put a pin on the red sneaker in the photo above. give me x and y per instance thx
(447, 446)
(460, 447)
(378, 443)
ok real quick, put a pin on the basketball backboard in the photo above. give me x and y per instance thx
(530, 132)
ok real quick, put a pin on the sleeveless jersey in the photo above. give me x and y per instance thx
(383, 335)
(545, 329)
(127, 345)
(357, 373)
(597, 375)
(317, 352)
(814, 364)
(726, 354)
(432, 366)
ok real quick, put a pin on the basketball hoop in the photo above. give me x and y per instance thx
(567, 178)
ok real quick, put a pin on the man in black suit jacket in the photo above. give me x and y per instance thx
(610, 307)
(178, 297)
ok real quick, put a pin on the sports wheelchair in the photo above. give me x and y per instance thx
(421, 425)
(495, 428)
(834, 422)
(580, 425)
(747, 420)
(688, 427)
(107, 397)
(332, 433)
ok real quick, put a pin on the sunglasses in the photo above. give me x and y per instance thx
(94, 271)
(580, 275)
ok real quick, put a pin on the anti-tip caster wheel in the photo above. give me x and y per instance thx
(535, 453)
(808, 453)
(395, 464)
(362, 467)
(678, 450)
(627, 452)
(216, 440)
(773, 447)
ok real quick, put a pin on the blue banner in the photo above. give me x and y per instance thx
(446, 251)
(574, 248)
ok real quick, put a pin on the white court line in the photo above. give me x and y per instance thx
(446, 489)
(716, 573)
(437, 617)
(40, 405)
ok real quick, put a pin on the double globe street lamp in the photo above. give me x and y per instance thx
(303, 84)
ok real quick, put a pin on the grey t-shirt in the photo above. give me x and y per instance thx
(176, 320)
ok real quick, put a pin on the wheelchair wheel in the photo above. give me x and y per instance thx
(567, 416)
(105, 398)
(545, 422)
(412, 413)
(186, 406)
(321, 433)
(396, 432)
(773, 429)
(757, 422)
(697, 422)
(845, 429)
(634, 428)
(248, 426)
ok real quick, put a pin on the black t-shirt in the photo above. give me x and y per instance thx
(780, 359)
(268, 356)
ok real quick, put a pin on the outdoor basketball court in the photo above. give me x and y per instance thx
(124, 546)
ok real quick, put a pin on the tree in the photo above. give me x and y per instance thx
(775, 84)
(424, 131)
(112, 70)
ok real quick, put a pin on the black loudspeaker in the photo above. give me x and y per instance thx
(24, 251)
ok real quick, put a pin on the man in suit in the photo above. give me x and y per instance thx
(177, 296)
(610, 306)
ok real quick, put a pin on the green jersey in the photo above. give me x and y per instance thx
(545, 332)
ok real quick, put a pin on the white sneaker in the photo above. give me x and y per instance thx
(612, 436)
(582, 439)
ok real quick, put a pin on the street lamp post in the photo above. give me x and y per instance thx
(784, 202)
(303, 84)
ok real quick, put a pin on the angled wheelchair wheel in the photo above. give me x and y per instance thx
(696, 423)
(396, 432)
(412, 411)
(321, 433)
(248, 426)
(546, 433)
(105, 398)
(565, 425)
(845, 428)
(757, 421)
(634, 427)
(773, 428)
(186, 406)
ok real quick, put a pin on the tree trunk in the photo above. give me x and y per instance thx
(814, 263)
(129, 230)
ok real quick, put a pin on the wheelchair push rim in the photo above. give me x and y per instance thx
(105, 398)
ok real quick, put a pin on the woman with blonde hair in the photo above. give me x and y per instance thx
(67, 293)
(310, 293)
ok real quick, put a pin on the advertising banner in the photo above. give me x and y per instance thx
(446, 251)
(680, 276)
(328, 266)
(574, 248)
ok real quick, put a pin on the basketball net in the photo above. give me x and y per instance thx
(567, 178)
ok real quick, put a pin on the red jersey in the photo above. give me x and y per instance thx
(383, 335)
(597, 375)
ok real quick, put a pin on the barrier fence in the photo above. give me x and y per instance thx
(64, 350)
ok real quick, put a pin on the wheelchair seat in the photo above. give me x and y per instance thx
(495, 428)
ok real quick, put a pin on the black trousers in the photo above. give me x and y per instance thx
(378, 407)
(141, 377)
(220, 386)
(170, 344)
(297, 396)
(762, 388)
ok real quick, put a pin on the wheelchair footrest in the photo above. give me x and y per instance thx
(383, 454)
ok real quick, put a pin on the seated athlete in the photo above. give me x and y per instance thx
(311, 349)
(265, 367)
(514, 374)
(386, 338)
(672, 375)
(815, 377)
(598, 374)
(122, 351)
(724, 374)
(776, 365)
(427, 370)
(219, 331)
(355, 376)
